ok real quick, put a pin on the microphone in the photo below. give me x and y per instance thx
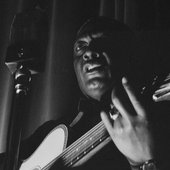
(27, 41)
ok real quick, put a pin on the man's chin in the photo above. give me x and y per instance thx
(96, 89)
(96, 85)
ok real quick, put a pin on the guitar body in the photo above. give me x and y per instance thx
(53, 149)
(50, 148)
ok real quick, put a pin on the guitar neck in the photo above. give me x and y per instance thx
(88, 142)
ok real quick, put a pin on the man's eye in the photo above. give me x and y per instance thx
(80, 46)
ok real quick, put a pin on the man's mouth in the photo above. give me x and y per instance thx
(90, 68)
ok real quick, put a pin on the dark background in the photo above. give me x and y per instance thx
(54, 91)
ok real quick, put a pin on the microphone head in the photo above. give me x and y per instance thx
(27, 41)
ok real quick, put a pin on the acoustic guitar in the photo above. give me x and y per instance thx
(53, 148)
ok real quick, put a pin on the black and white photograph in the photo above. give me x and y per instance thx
(84, 85)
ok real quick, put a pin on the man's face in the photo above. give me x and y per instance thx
(92, 64)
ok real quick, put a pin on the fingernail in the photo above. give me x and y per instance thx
(102, 114)
(124, 80)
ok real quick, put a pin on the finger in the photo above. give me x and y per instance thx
(118, 103)
(135, 102)
(161, 97)
(163, 90)
(107, 122)
(165, 85)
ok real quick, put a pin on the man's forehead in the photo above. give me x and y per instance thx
(91, 36)
(97, 35)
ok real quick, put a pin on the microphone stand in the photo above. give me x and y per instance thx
(22, 80)
(25, 56)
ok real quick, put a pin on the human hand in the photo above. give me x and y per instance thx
(163, 92)
(130, 130)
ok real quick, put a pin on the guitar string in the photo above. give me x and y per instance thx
(70, 164)
(73, 145)
(88, 138)
(83, 146)
(95, 137)
(76, 157)
(85, 136)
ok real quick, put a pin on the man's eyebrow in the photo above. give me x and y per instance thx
(78, 41)
(97, 35)
(83, 39)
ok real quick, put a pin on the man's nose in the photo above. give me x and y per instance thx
(89, 55)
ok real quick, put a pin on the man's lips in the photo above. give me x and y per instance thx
(89, 68)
